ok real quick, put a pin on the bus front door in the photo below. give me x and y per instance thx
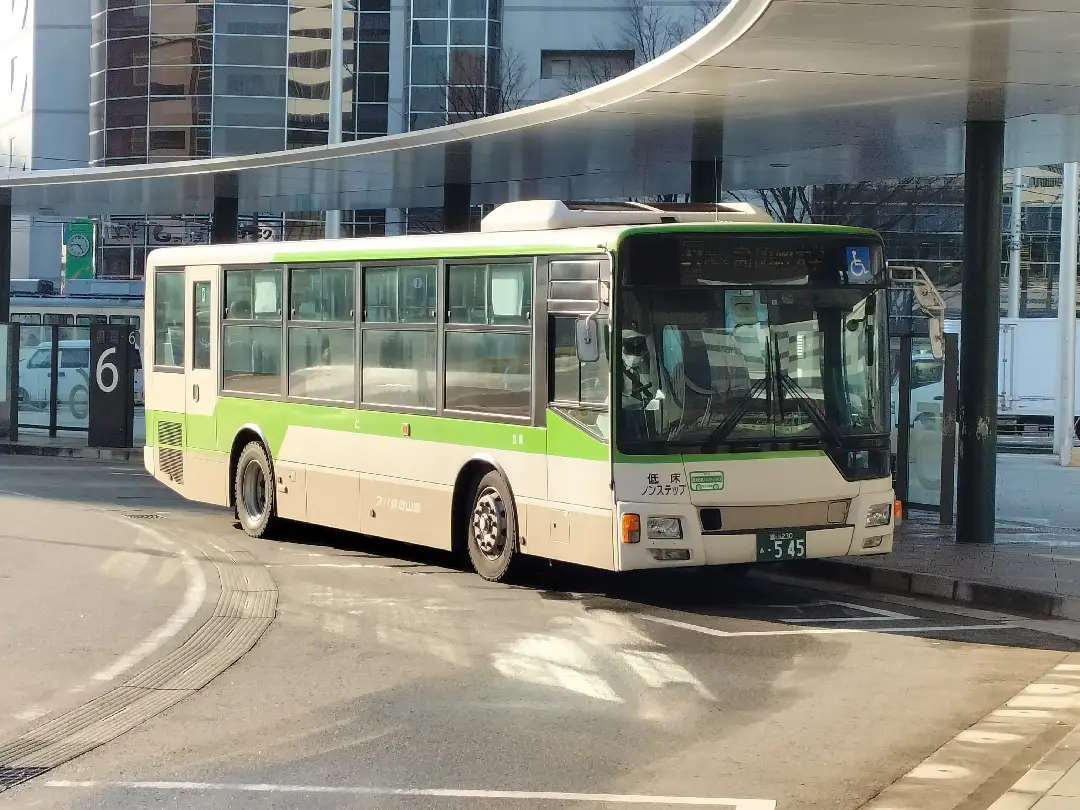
(207, 469)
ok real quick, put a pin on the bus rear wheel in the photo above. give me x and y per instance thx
(253, 491)
(492, 529)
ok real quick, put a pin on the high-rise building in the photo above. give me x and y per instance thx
(44, 60)
(185, 79)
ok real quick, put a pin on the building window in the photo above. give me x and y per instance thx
(585, 67)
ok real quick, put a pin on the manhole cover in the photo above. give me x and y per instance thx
(143, 516)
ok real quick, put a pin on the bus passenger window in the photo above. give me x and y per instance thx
(201, 332)
(169, 319)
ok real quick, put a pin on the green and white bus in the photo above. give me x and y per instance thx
(615, 385)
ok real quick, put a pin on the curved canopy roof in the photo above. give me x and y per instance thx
(779, 92)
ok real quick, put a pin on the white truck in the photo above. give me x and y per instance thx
(73, 377)
(1028, 353)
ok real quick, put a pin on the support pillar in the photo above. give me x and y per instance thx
(5, 255)
(976, 502)
(332, 223)
(457, 204)
(1064, 429)
(1015, 234)
(226, 210)
(706, 162)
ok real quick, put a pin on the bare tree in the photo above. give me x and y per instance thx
(646, 32)
(705, 11)
(475, 89)
(880, 205)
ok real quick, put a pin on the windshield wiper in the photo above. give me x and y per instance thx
(816, 416)
(731, 421)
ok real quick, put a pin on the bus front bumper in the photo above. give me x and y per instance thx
(764, 544)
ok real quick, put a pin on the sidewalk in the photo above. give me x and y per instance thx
(1053, 784)
(1033, 566)
(38, 443)
(34, 441)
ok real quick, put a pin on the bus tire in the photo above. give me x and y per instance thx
(492, 528)
(254, 490)
(79, 402)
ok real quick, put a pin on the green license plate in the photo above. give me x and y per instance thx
(781, 544)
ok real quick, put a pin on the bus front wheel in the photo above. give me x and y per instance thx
(492, 529)
(254, 491)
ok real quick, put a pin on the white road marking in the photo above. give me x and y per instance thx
(194, 593)
(891, 614)
(849, 619)
(875, 614)
(820, 631)
(450, 793)
(331, 565)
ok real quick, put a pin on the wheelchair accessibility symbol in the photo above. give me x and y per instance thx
(858, 265)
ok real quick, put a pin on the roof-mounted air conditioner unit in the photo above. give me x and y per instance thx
(550, 215)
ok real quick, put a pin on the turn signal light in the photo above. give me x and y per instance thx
(631, 528)
(897, 510)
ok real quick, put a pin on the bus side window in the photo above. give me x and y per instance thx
(580, 390)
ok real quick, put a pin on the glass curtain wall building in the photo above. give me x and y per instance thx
(173, 80)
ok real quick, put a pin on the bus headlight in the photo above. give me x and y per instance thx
(664, 528)
(879, 515)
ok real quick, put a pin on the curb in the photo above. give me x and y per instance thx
(89, 453)
(972, 592)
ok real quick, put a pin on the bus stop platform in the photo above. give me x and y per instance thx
(68, 446)
(1032, 567)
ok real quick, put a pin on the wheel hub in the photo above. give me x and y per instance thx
(489, 523)
(254, 490)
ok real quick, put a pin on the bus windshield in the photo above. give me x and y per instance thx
(719, 367)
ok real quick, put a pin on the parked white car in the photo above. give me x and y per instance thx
(73, 377)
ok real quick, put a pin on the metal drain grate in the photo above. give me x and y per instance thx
(143, 515)
(10, 777)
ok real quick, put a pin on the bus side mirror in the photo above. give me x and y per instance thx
(587, 340)
(936, 329)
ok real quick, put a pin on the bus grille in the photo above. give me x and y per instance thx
(170, 456)
(170, 434)
(171, 463)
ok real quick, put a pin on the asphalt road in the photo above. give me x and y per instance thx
(393, 678)
(79, 593)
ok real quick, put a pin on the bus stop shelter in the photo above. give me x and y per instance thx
(772, 93)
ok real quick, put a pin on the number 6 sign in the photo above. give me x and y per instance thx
(102, 367)
(112, 385)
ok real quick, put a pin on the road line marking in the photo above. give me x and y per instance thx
(891, 614)
(194, 593)
(821, 631)
(454, 793)
(851, 619)
(331, 565)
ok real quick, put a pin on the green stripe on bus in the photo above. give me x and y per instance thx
(273, 419)
(734, 228)
(567, 440)
(298, 254)
(395, 254)
(561, 438)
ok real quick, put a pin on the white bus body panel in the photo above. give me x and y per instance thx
(758, 494)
